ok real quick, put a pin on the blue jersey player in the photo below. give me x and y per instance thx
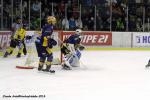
(44, 45)
(71, 50)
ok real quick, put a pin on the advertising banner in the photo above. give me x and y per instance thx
(93, 38)
(4, 39)
(141, 39)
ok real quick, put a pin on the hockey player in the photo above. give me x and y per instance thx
(148, 65)
(44, 45)
(17, 40)
(16, 25)
(71, 50)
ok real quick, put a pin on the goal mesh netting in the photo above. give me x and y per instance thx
(32, 57)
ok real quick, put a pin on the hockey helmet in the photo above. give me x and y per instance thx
(24, 26)
(78, 31)
(51, 20)
(18, 19)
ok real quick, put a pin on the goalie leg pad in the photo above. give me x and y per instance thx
(67, 60)
(75, 61)
(72, 61)
(78, 54)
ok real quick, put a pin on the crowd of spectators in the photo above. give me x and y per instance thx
(94, 15)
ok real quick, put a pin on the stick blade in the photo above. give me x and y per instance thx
(25, 67)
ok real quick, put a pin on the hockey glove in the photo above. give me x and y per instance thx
(20, 44)
(81, 47)
(28, 37)
(51, 43)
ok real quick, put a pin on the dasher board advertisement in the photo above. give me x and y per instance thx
(141, 39)
(4, 39)
(93, 38)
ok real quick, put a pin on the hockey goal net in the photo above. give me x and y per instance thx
(32, 58)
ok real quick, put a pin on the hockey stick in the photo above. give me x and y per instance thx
(25, 67)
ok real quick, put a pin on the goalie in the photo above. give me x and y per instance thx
(71, 50)
(44, 45)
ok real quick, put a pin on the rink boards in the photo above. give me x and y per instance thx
(94, 40)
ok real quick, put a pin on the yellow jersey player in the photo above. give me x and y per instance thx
(17, 40)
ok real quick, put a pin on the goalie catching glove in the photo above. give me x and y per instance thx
(81, 47)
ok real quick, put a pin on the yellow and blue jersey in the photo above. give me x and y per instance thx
(47, 30)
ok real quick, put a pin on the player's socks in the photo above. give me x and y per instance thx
(40, 67)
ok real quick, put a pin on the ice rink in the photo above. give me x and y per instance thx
(103, 75)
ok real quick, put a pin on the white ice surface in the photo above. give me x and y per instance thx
(104, 75)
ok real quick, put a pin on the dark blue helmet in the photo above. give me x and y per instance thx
(24, 26)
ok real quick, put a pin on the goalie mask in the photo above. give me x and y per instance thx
(51, 20)
(78, 31)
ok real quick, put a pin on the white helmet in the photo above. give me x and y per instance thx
(78, 31)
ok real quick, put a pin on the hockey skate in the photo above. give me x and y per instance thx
(6, 54)
(148, 65)
(40, 67)
(64, 66)
(18, 55)
(48, 69)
